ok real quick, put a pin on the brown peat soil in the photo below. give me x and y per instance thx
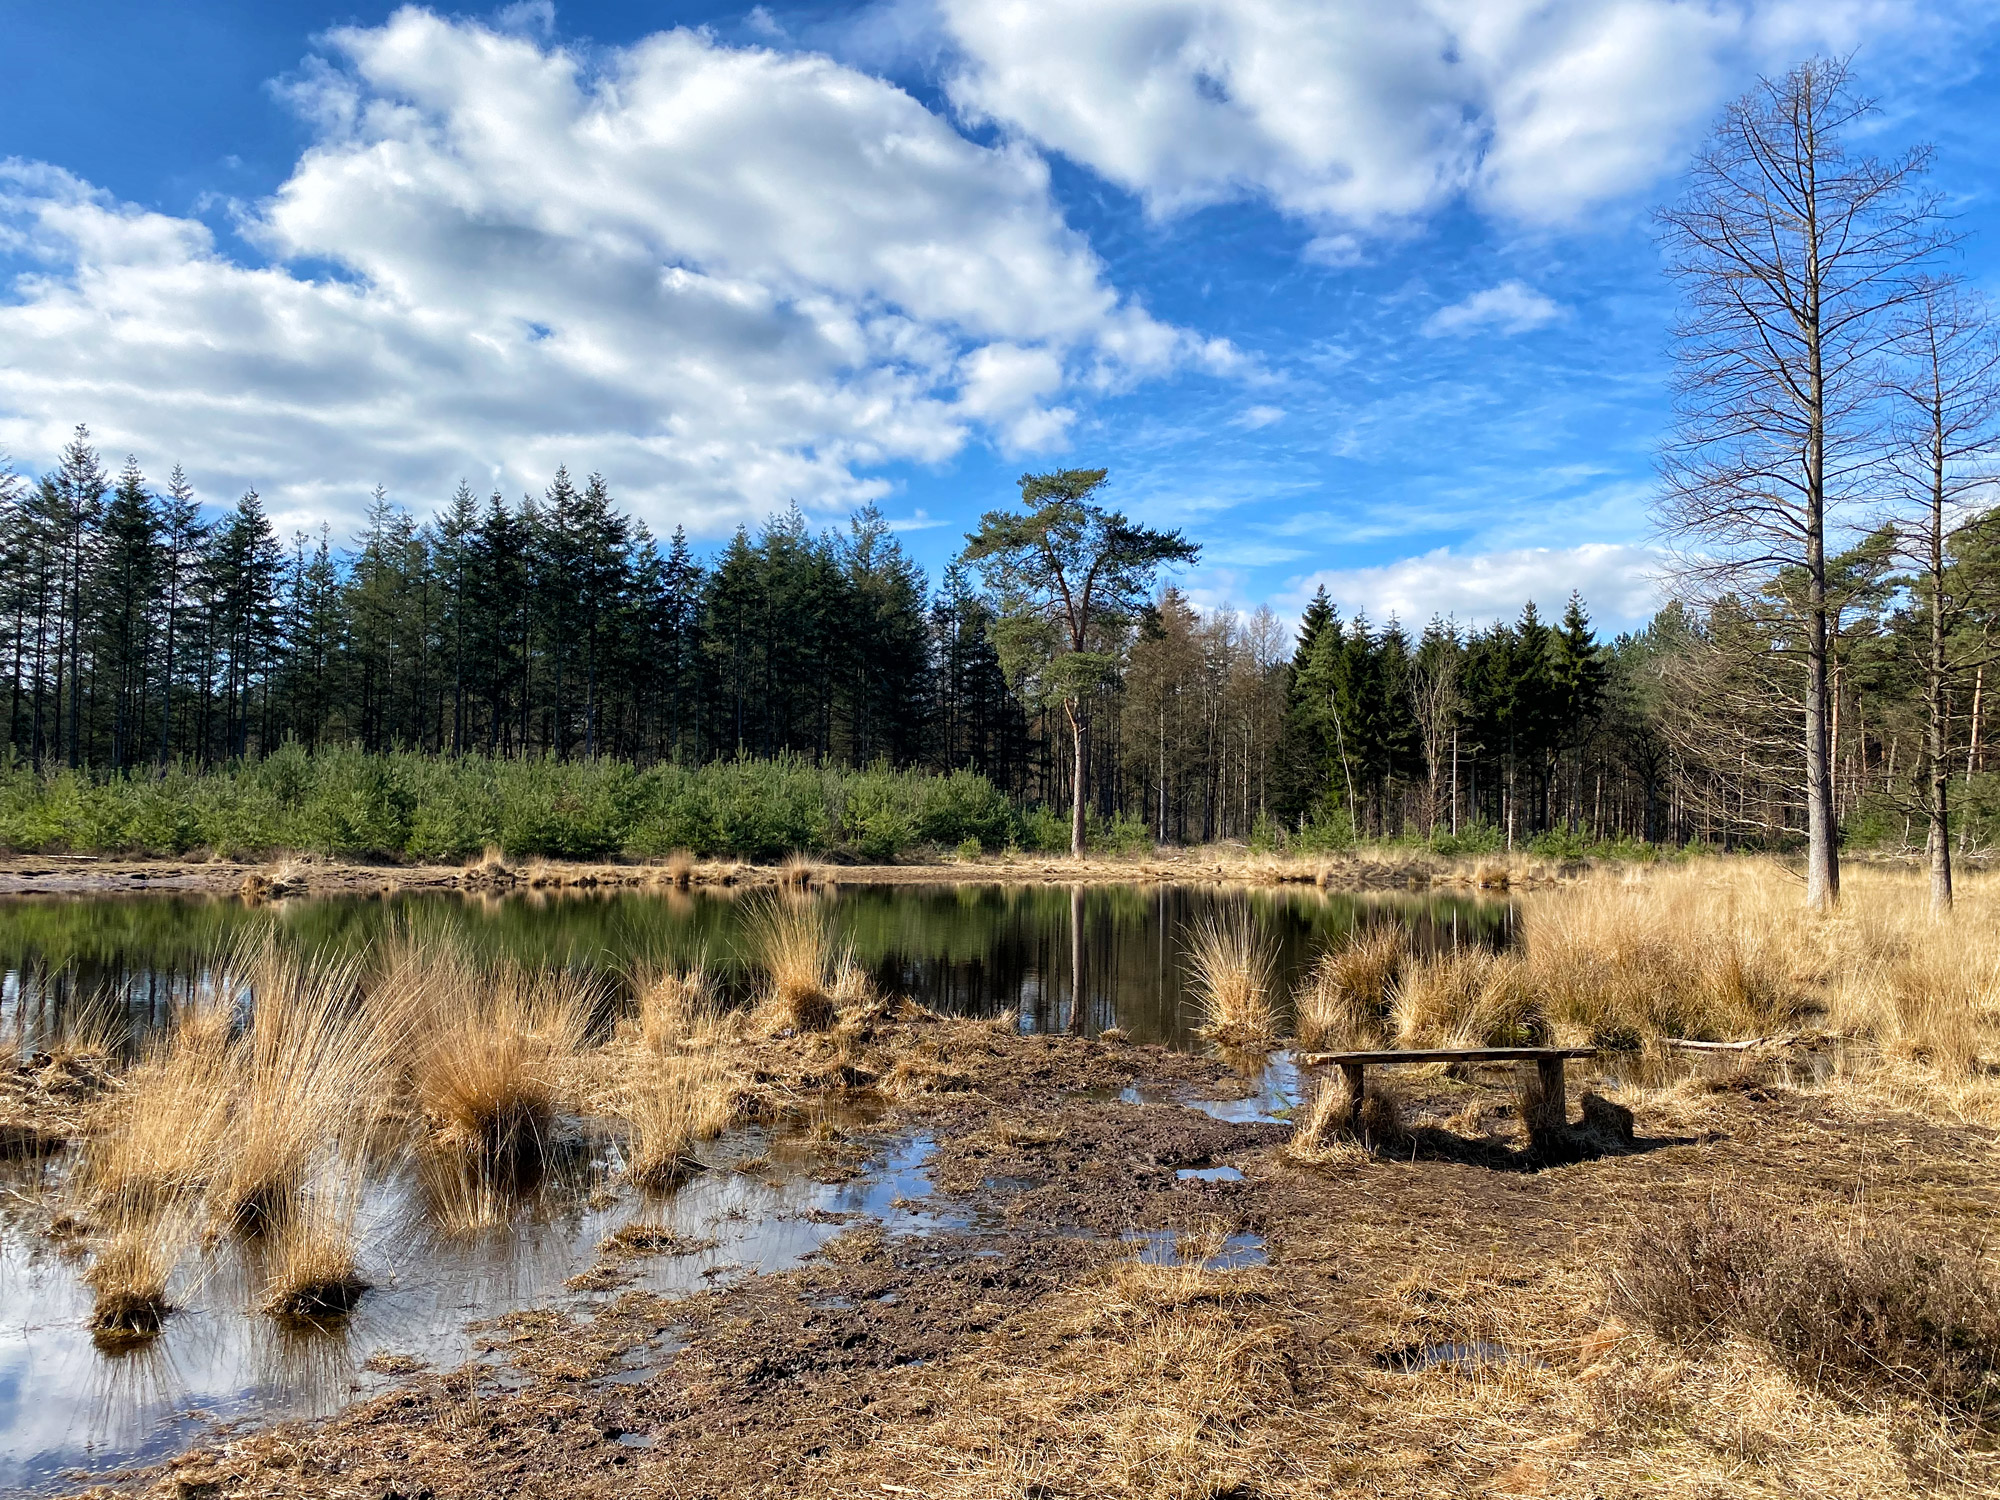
(1139, 1298)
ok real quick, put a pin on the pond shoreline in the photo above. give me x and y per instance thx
(310, 875)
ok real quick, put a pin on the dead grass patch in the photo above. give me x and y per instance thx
(1864, 1310)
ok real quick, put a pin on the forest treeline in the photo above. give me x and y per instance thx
(147, 639)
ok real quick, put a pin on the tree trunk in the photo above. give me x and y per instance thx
(1937, 698)
(1076, 728)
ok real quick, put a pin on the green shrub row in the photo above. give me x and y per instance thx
(421, 807)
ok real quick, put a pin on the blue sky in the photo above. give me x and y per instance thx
(1358, 295)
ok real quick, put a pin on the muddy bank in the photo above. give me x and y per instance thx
(307, 875)
(1144, 1294)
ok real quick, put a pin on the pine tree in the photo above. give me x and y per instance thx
(125, 588)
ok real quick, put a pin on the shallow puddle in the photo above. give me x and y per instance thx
(1162, 1247)
(67, 1405)
(1471, 1358)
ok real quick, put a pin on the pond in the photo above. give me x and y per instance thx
(69, 1406)
(971, 950)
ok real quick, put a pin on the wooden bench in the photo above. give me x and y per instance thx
(1553, 1108)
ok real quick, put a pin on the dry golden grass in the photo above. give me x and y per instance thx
(679, 1008)
(797, 870)
(130, 1273)
(1468, 997)
(155, 1145)
(679, 869)
(485, 1050)
(1175, 1381)
(678, 1103)
(792, 941)
(1347, 996)
(311, 1275)
(1230, 968)
(308, 1070)
(1328, 1132)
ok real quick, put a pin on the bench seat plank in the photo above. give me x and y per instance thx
(1445, 1054)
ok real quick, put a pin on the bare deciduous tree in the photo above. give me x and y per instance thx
(1945, 384)
(1791, 256)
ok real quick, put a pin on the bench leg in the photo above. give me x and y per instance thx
(1351, 1073)
(1548, 1109)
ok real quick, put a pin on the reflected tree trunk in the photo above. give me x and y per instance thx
(1076, 990)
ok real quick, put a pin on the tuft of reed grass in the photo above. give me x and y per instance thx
(1346, 998)
(794, 945)
(680, 869)
(486, 1051)
(155, 1145)
(675, 1107)
(311, 1274)
(130, 1274)
(1468, 997)
(679, 1008)
(1330, 1123)
(1231, 968)
(307, 1070)
(796, 871)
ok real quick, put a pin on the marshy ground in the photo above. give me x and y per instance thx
(1136, 1272)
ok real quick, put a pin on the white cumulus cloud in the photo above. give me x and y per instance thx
(727, 277)
(1361, 112)
(1620, 585)
(1510, 307)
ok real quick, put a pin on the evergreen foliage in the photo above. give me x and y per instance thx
(548, 676)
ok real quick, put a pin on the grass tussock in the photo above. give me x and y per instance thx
(311, 1272)
(486, 1052)
(1467, 997)
(156, 1145)
(307, 1070)
(130, 1273)
(679, 1008)
(1697, 951)
(1331, 1130)
(1347, 997)
(1866, 1311)
(1231, 967)
(679, 1104)
(793, 944)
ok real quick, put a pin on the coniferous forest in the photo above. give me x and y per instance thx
(145, 634)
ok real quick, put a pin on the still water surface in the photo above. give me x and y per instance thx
(965, 950)
(67, 1405)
